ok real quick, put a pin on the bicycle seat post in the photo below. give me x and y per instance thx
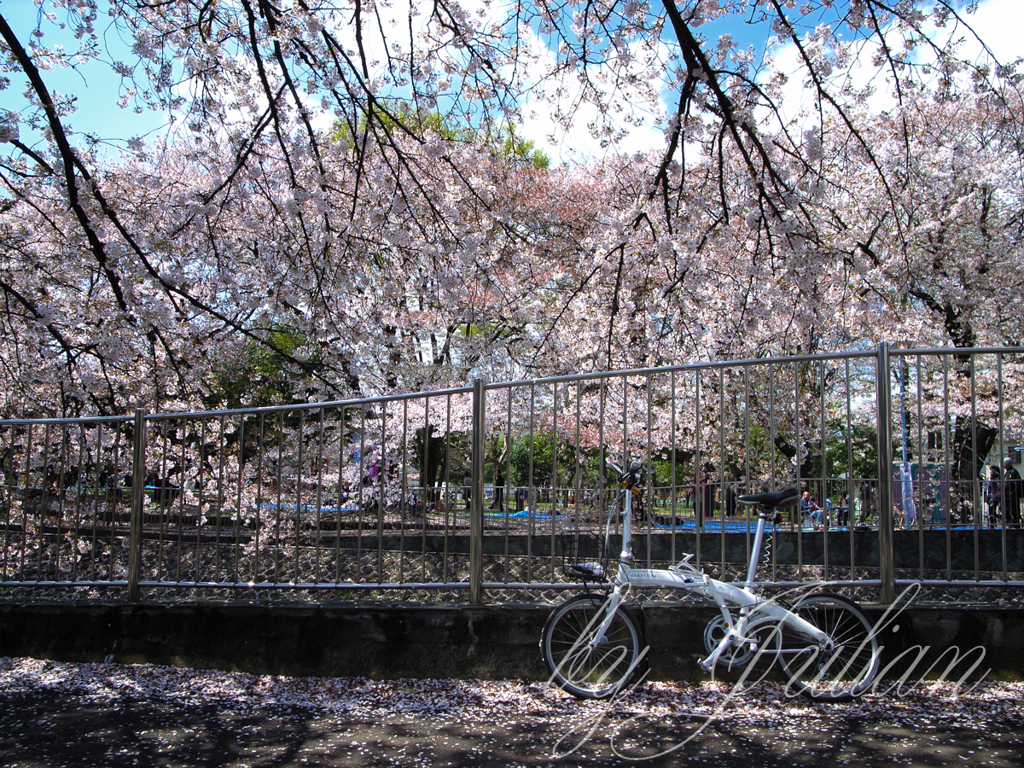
(769, 502)
(626, 555)
(630, 483)
(755, 553)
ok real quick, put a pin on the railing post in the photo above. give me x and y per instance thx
(138, 494)
(883, 399)
(476, 520)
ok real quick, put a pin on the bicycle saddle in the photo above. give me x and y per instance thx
(785, 498)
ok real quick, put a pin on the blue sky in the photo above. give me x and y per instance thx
(96, 87)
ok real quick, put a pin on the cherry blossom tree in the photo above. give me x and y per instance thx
(303, 207)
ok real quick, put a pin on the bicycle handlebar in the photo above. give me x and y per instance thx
(631, 479)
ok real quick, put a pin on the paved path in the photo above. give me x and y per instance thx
(144, 720)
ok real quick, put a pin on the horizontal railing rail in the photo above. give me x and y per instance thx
(480, 491)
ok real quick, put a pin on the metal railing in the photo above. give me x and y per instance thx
(476, 491)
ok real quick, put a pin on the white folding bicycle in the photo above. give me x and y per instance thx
(825, 646)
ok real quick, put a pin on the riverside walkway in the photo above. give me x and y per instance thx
(59, 715)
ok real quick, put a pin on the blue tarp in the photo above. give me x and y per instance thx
(526, 514)
(713, 526)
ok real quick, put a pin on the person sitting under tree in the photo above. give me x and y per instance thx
(1014, 487)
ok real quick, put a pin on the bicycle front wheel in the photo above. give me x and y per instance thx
(587, 666)
(842, 668)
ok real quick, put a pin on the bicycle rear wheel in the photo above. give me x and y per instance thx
(586, 670)
(841, 670)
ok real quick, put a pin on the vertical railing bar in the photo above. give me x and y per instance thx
(16, 572)
(239, 499)
(624, 462)
(699, 480)
(798, 445)
(651, 497)
(360, 474)
(75, 554)
(402, 491)
(15, 557)
(221, 448)
(771, 462)
(477, 500)
(508, 491)
(415, 495)
(237, 517)
(850, 504)
(920, 454)
(421, 496)
(319, 532)
(424, 492)
(44, 501)
(825, 496)
(65, 448)
(402, 484)
(978, 512)
(381, 489)
(340, 493)
(885, 538)
(723, 503)
(946, 439)
(180, 548)
(531, 502)
(674, 454)
(165, 506)
(578, 482)
(280, 498)
(161, 570)
(26, 478)
(24, 505)
(9, 482)
(999, 463)
(449, 512)
(60, 492)
(257, 548)
(138, 495)
(554, 477)
(10, 472)
(201, 484)
(602, 472)
(297, 500)
(747, 466)
(50, 555)
(98, 501)
(771, 431)
(30, 482)
(117, 496)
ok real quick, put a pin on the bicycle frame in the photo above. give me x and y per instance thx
(684, 576)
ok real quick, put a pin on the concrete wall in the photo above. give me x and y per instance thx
(494, 641)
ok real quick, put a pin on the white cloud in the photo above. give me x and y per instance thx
(995, 24)
(999, 24)
(632, 115)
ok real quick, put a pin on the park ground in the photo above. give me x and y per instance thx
(57, 714)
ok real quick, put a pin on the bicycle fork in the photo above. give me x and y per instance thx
(611, 606)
